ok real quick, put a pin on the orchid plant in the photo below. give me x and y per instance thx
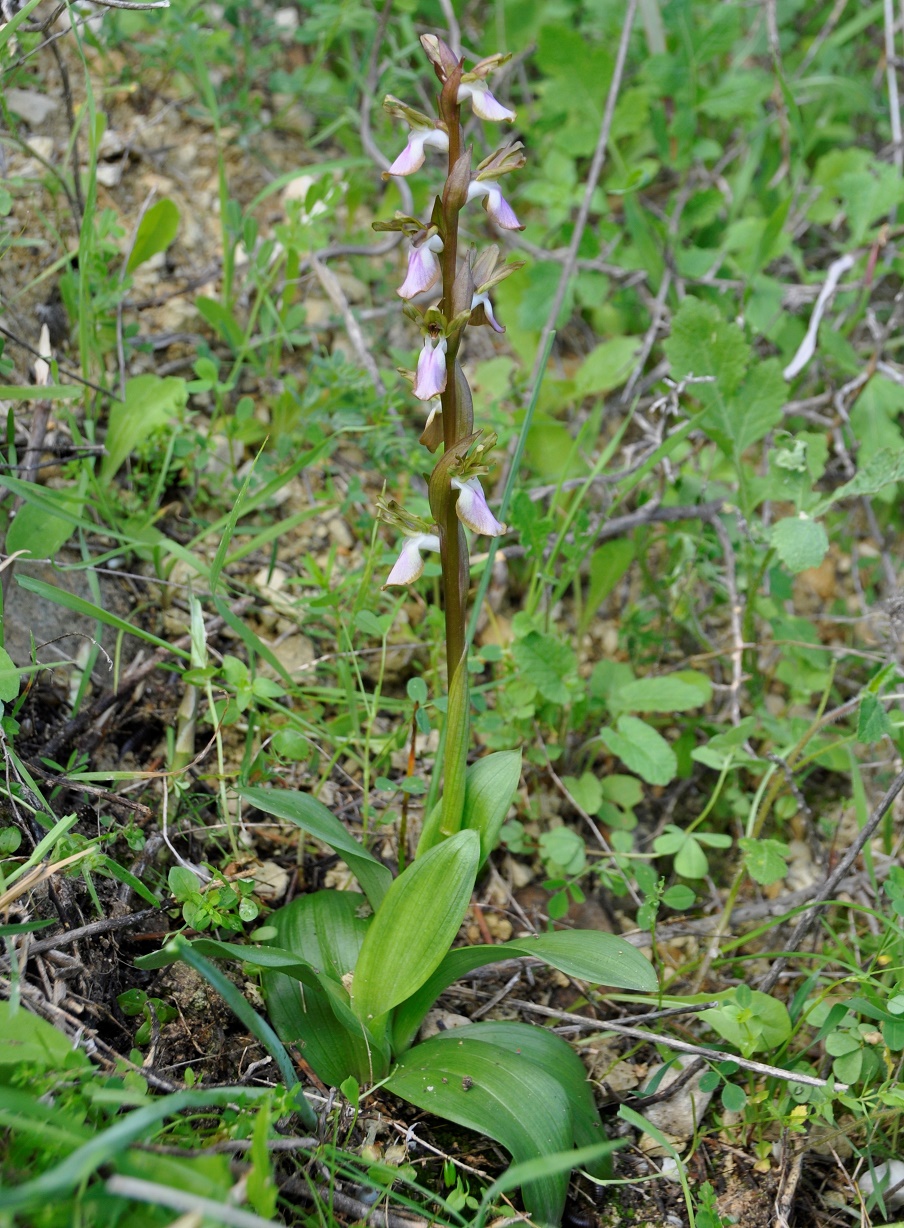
(349, 977)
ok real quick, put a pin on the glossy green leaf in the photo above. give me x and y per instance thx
(313, 817)
(588, 955)
(499, 1093)
(532, 1095)
(155, 233)
(326, 930)
(415, 926)
(490, 785)
(643, 749)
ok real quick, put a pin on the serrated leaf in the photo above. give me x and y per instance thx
(885, 468)
(156, 231)
(703, 343)
(736, 422)
(313, 817)
(415, 925)
(799, 542)
(546, 662)
(766, 861)
(673, 693)
(643, 749)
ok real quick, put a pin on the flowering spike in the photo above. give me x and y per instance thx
(472, 509)
(430, 379)
(497, 207)
(409, 566)
(423, 266)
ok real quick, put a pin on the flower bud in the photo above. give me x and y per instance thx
(430, 379)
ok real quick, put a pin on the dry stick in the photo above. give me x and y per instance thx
(891, 78)
(375, 1217)
(334, 292)
(734, 614)
(808, 920)
(596, 167)
(680, 1046)
(68, 937)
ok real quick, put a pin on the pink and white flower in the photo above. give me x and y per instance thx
(409, 566)
(483, 104)
(497, 207)
(411, 158)
(430, 379)
(472, 509)
(423, 267)
(487, 316)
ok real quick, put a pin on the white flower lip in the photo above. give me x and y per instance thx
(472, 509)
(409, 566)
(430, 379)
(483, 103)
(483, 300)
(411, 158)
(495, 204)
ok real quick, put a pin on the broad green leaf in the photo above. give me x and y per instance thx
(28, 1040)
(546, 662)
(703, 343)
(738, 421)
(326, 930)
(885, 468)
(759, 1027)
(606, 567)
(490, 785)
(221, 320)
(641, 748)
(499, 1093)
(607, 366)
(555, 1057)
(872, 719)
(313, 817)
(156, 231)
(690, 859)
(150, 403)
(415, 925)
(672, 693)
(38, 531)
(9, 678)
(586, 789)
(799, 542)
(766, 861)
(587, 955)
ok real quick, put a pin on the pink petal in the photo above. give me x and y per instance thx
(483, 103)
(472, 509)
(501, 211)
(412, 156)
(430, 379)
(409, 566)
(423, 272)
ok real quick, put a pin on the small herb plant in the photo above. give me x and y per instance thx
(350, 977)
